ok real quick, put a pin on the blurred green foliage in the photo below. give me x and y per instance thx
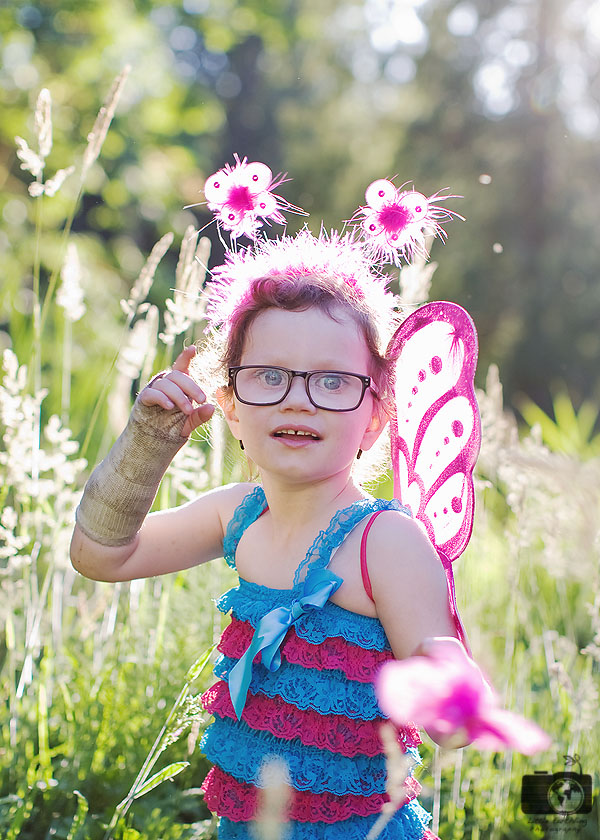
(485, 97)
(570, 432)
(494, 100)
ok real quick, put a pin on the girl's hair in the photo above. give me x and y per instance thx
(295, 274)
(297, 294)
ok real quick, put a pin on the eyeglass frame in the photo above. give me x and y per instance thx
(365, 380)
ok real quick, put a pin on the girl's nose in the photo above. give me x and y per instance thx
(297, 397)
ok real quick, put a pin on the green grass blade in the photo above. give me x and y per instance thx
(199, 665)
(168, 772)
(80, 815)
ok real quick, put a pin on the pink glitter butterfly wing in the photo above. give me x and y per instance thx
(436, 434)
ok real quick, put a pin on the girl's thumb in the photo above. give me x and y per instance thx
(200, 415)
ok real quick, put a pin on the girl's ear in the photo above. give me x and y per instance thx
(378, 422)
(227, 405)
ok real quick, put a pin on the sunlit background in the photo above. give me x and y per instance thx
(497, 100)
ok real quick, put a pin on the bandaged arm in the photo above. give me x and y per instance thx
(120, 491)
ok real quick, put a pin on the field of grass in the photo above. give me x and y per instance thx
(100, 719)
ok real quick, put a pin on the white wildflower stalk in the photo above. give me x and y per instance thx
(70, 298)
(143, 284)
(95, 141)
(43, 122)
(187, 476)
(147, 343)
(134, 305)
(398, 766)
(274, 800)
(97, 135)
(34, 162)
(135, 360)
(38, 479)
(187, 305)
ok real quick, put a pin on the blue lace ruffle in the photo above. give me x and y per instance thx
(344, 521)
(241, 751)
(251, 601)
(245, 513)
(318, 555)
(327, 692)
(409, 823)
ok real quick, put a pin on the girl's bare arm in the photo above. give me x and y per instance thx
(167, 541)
(411, 596)
(114, 538)
(409, 583)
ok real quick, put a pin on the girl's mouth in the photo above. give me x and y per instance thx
(296, 436)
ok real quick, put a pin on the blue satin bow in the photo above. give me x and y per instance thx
(319, 585)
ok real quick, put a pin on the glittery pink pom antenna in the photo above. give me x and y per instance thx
(395, 222)
(242, 197)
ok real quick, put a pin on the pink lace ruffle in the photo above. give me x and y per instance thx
(227, 797)
(336, 733)
(333, 653)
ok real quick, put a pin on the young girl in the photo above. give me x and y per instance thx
(305, 389)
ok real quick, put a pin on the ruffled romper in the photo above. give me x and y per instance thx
(317, 710)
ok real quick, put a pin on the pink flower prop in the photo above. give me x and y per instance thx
(242, 197)
(446, 693)
(395, 221)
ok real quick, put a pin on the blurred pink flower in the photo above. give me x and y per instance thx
(241, 197)
(396, 221)
(446, 693)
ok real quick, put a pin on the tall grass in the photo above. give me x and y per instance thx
(89, 671)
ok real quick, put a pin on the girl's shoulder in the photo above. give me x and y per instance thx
(235, 497)
(243, 504)
(399, 548)
(408, 581)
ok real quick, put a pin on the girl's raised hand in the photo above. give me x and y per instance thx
(177, 389)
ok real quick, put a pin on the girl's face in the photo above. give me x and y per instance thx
(305, 341)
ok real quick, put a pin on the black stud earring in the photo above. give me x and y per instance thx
(241, 446)
(358, 454)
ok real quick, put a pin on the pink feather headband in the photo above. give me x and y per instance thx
(392, 226)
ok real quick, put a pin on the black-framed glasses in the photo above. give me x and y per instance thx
(333, 390)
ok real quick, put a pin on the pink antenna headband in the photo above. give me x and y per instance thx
(391, 227)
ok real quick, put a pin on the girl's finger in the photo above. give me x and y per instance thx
(152, 396)
(182, 362)
(187, 385)
(174, 393)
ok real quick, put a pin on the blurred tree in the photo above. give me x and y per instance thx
(495, 99)
(507, 116)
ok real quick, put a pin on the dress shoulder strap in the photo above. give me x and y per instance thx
(364, 569)
(342, 523)
(250, 508)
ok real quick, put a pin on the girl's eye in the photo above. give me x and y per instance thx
(330, 382)
(270, 377)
